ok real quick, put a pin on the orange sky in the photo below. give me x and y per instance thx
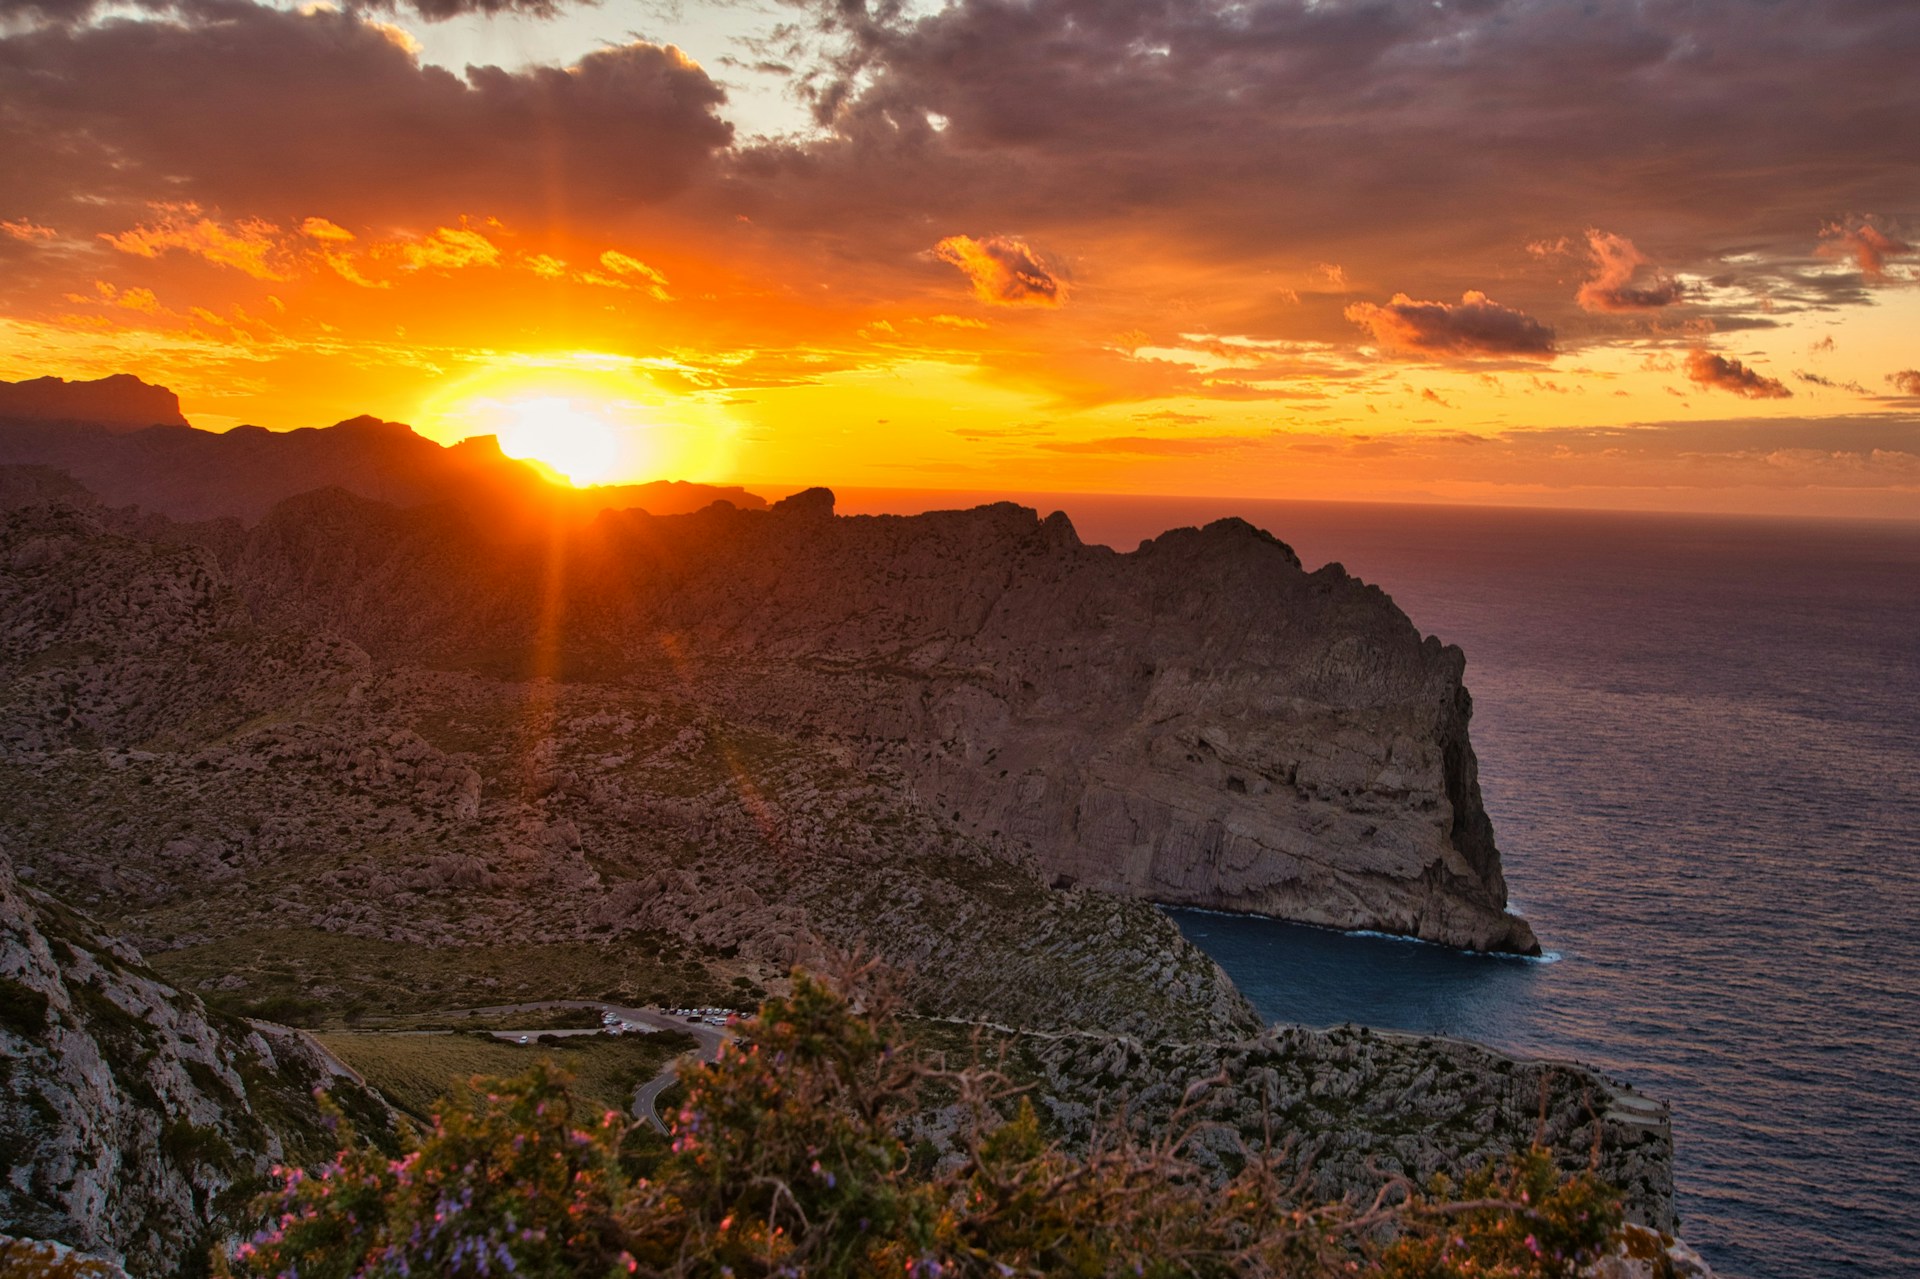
(1518, 251)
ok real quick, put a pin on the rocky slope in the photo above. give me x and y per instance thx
(337, 766)
(1200, 722)
(239, 793)
(132, 1124)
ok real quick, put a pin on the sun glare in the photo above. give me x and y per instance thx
(562, 434)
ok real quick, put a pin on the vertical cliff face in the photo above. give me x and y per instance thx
(1200, 722)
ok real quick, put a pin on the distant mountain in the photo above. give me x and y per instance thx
(118, 403)
(127, 443)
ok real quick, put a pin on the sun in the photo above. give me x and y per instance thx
(563, 434)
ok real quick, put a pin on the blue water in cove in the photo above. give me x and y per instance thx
(1699, 741)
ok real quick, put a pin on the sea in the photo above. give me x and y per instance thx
(1699, 741)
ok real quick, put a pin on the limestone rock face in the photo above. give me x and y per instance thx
(130, 1123)
(217, 779)
(1200, 722)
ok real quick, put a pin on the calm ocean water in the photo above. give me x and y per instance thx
(1699, 739)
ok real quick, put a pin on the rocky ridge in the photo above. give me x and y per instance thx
(129, 445)
(121, 402)
(1201, 722)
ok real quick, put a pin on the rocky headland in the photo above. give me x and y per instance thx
(1200, 722)
(361, 759)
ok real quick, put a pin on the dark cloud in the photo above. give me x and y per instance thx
(287, 115)
(1340, 132)
(67, 12)
(1831, 384)
(1717, 371)
(1004, 270)
(1474, 327)
(61, 12)
(1619, 281)
(1906, 381)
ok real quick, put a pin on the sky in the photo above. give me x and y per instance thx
(1638, 254)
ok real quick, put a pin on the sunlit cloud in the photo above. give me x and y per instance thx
(244, 246)
(136, 299)
(1476, 326)
(1613, 287)
(448, 249)
(1717, 371)
(1004, 270)
(1865, 242)
(326, 232)
(25, 229)
(1147, 445)
(630, 272)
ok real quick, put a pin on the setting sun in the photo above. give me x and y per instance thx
(562, 434)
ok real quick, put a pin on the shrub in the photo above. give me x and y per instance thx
(788, 1162)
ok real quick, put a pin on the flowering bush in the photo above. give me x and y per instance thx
(508, 1182)
(788, 1162)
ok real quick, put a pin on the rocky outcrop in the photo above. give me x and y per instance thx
(131, 1125)
(1200, 722)
(121, 402)
(1354, 1106)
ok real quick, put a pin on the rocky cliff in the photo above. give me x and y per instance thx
(360, 762)
(132, 1124)
(1200, 722)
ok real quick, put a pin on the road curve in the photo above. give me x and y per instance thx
(646, 1098)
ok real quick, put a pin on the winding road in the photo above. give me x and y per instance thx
(646, 1097)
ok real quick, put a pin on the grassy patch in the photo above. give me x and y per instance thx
(539, 1019)
(415, 1071)
(364, 977)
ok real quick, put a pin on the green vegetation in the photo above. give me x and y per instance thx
(288, 969)
(581, 1018)
(414, 1070)
(788, 1160)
